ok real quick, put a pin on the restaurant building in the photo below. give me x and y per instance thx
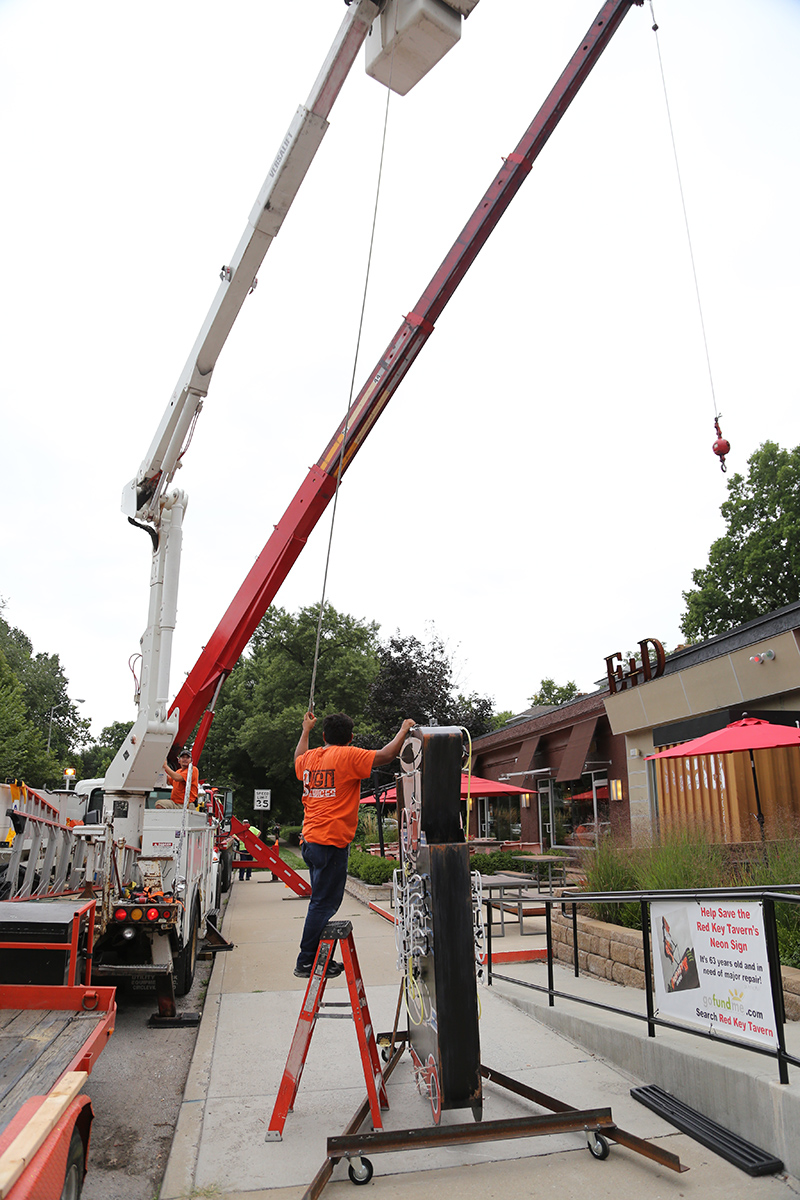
(585, 764)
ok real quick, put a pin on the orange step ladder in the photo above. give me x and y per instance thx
(341, 932)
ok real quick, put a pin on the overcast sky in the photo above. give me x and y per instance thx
(542, 484)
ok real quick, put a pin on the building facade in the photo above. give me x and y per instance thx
(585, 765)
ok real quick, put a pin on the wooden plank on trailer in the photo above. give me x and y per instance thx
(30, 1140)
(25, 1020)
(43, 1068)
(29, 1047)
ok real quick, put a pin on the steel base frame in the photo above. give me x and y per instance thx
(596, 1123)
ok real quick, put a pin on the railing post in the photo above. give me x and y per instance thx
(489, 942)
(648, 971)
(548, 924)
(575, 939)
(776, 983)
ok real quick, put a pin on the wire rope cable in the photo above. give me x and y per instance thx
(352, 381)
(685, 213)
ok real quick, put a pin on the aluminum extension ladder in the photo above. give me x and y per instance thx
(341, 932)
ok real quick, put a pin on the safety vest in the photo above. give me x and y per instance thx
(251, 829)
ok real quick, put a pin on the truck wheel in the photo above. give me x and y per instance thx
(226, 870)
(186, 961)
(73, 1179)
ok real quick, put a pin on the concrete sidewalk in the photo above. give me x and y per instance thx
(250, 1015)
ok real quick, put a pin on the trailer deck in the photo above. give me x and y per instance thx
(64, 1032)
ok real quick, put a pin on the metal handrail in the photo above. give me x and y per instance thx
(788, 893)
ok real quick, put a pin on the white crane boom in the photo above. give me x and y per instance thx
(142, 496)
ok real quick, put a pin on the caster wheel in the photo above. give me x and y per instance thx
(598, 1146)
(363, 1173)
(435, 1094)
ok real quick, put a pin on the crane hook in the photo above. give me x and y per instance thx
(721, 446)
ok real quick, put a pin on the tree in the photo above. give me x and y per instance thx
(755, 567)
(44, 689)
(22, 749)
(552, 693)
(99, 754)
(416, 680)
(257, 724)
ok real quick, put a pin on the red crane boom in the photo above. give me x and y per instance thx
(201, 688)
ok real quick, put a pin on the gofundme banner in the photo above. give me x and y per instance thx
(710, 968)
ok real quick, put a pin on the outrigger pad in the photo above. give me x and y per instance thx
(708, 1133)
(214, 942)
(180, 1020)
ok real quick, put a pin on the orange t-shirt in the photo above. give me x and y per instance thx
(331, 792)
(178, 794)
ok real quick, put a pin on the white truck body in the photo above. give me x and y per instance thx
(170, 852)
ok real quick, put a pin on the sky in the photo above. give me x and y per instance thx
(542, 484)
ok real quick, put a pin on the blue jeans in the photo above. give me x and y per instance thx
(328, 867)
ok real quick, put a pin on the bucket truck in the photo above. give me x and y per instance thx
(157, 868)
(166, 855)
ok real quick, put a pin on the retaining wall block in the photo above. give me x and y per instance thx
(627, 976)
(603, 968)
(624, 954)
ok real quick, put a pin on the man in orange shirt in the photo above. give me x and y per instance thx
(178, 794)
(331, 776)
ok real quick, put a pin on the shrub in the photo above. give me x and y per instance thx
(291, 834)
(490, 864)
(687, 859)
(613, 868)
(370, 868)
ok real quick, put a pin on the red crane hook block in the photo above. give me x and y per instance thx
(721, 446)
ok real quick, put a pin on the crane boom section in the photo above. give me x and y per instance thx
(281, 551)
(141, 496)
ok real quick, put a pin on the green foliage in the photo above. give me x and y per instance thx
(612, 867)
(291, 834)
(367, 831)
(98, 756)
(370, 867)
(686, 859)
(551, 692)
(259, 717)
(22, 749)
(755, 568)
(258, 722)
(690, 860)
(490, 864)
(35, 705)
(416, 680)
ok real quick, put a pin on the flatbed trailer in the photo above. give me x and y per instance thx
(51, 1035)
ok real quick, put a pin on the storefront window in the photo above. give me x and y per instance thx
(499, 818)
(579, 811)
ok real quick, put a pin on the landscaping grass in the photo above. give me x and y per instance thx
(688, 859)
(291, 859)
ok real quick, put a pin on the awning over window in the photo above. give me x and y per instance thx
(580, 738)
(527, 753)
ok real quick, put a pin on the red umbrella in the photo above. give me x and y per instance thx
(749, 734)
(477, 787)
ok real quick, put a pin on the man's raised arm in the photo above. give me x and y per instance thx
(391, 750)
(309, 721)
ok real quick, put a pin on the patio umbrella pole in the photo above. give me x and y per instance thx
(759, 813)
